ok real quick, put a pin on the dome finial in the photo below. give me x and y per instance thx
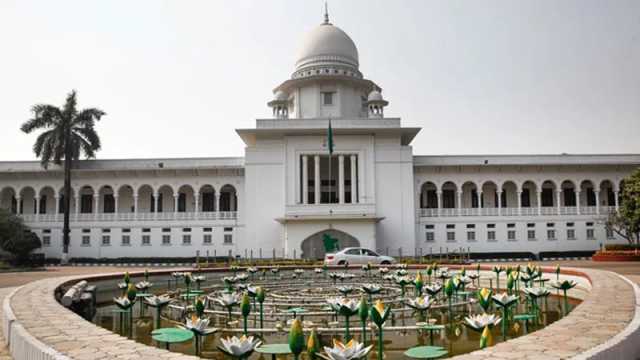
(326, 14)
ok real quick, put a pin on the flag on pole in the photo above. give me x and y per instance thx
(330, 138)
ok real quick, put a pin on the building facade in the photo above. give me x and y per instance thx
(288, 191)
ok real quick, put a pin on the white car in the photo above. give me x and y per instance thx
(357, 256)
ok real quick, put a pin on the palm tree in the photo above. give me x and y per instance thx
(66, 134)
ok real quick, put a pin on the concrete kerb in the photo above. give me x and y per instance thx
(624, 345)
(8, 317)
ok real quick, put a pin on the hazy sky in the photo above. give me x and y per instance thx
(177, 77)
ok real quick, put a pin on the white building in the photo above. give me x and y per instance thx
(286, 192)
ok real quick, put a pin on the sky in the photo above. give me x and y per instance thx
(176, 78)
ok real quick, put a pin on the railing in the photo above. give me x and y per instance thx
(548, 210)
(142, 216)
(514, 211)
(568, 210)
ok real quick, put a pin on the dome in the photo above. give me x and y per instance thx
(280, 96)
(375, 96)
(327, 45)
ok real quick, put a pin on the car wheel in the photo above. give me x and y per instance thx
(342, 262)
(385, 262)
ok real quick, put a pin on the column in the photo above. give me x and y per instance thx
(615, 197)
(197, 203)
(115, 204)
(176, 198)
(479, 196)
(18, 205)
(459, 202)
(439, 198)
(57, 207)
(305, 179)
(558, 198)
(577, 192)
(519, 196)
(354, 180)
(499, 196)
(341, 179)
(216, 200)
(597, 194)
(539, 200)
(155, 205)
(316, 178)
(37, 209)
(96, 205)
(77, 202)
(135, 206)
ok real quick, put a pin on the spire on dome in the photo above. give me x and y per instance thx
(326, 14)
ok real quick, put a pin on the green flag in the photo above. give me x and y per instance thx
(330, 138)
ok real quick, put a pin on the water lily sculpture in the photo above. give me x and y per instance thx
(433, 289)
(345, 290)
(296, 338)
(363, 313)
(504, 301)
(402, 281)
(565, 286)
(198, 279)
(242, 277)
(479, 322)
(345, 307)
(228, 282)
(239, 348)
(484, 298)
(366, 268)
(125, 303)
(187, 282)
(157, 302)
(199, 327)
(313, 345)
(228, 300)
(401, 272)
(449, 288)
(371, 289)
(352, 350)
(498, 269)
(245, 308)
(421, 305)
(143, 285)
(260, 296)
(333, 276)
(252, 271)
(418, 283)
(534, 294)
(379, 314)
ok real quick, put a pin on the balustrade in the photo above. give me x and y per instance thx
(141, 216)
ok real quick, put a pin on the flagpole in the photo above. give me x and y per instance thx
(330, 177)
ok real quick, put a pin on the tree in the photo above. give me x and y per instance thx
(626, 223)
(16, 238)
(66, 134)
